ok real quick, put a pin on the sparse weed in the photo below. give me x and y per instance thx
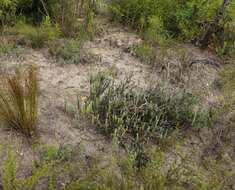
(18, 102)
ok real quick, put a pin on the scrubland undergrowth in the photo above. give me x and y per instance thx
(137, 120)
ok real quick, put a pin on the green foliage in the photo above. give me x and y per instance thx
(18, 102)
(139, 115)
(160, 20)
(156, 175)
(144, 52)
(53, 154)
(33, 10)
(38, 36)
(226, 82)
(75, 18)
(69, 52)
(69, 12)
(7, 12)
(226, 41)
(6, 45)
(10, 180)
(156, 33)
(114, 173)
(227, 78)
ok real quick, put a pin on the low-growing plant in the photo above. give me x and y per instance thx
(226, 82)
(9, 175)
(226, 41)
(158, 174)
(18, 101)
(38, 35)
(139, 115)
(145, 52)
(161, 20)
(114, 173)
(6, 45)
(69, 52)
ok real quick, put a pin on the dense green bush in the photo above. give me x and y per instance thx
(7, 12)
(163, 19)
(32, 10)
(71, 15)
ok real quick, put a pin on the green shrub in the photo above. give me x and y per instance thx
(226, 82)
(140, 115)
(145, 53)
(18, 102)
(226, 41)
(156, 33)
(38, 36)
(158, 174)
(159, 20)
(46, 172)
(74, 16)
(9, 176)
(69, 52)
(7, 12)
(6, 45)
(113, 173)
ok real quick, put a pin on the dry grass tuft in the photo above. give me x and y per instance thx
(18, 101)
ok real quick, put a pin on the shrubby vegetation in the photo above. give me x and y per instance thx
(136, 116)
(161, 20)
(226, 82)
(37, 36)
(44, 21)
(6, 45)
(69, 52)
(54, 169)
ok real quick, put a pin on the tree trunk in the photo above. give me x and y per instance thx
(214, 26)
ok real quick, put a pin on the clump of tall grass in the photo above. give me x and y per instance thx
(19, 101)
